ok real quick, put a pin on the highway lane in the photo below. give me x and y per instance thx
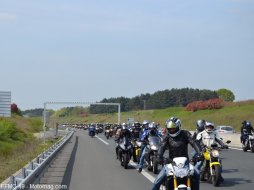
(95, 167)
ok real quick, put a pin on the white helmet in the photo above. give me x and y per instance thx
(124, 126)
(209, 126)
(145, 124)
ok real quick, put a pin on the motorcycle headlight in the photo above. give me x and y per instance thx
(153, 147)
(215, 153)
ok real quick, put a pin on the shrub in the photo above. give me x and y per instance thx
(215, 103)
(9, 131)
(36, 124)
(15, 109)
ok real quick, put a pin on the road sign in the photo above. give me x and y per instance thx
(5, 104)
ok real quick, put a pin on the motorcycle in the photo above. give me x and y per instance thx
(151, 153)
(97, 129)
(212, 169)
(91, 131)
(248, 143)
(181, 171)
(125, 152)
(108, 133)
(136, 150)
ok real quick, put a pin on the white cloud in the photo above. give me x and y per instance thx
(7, 17)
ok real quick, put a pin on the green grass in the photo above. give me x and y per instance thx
(17, 144)
(232, 114)
(14, 161)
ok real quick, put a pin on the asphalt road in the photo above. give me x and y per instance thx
(95, 167)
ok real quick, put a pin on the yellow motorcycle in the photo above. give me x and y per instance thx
(179, 175)
(136, 150)
(212, 167)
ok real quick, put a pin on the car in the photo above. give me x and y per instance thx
(225, 129)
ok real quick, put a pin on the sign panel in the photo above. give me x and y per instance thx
(5, 104)
(130, 121)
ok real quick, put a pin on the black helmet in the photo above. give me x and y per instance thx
(200, 125)
(244, 122)
(137, 125)
(248, 124)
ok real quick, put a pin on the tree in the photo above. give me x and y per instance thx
(15, 109)
(226, 95)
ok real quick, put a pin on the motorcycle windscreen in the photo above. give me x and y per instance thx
(154, 141)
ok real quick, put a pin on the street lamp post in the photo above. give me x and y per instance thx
(144, 104)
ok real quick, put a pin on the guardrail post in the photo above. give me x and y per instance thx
(38, 160)
(32, 166)
(24, 173)
(13, 181)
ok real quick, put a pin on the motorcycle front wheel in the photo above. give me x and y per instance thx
(155, 165)
(125, 161)
(245, 146)
(216, 175)
(252, 147)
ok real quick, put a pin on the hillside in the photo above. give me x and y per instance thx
(17, 144)
(231, 114)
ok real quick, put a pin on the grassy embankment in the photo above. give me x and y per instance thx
(231, 114)
(17, 144)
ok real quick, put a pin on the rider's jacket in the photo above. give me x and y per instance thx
(136, 133)
(107, 127)
(195, 134)
(145, 135)
(123, 133)
(207, 139)
(178, 146)
(246, 130)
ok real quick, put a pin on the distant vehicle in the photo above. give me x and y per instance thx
(225, 129)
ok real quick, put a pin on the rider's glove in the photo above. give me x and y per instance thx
(225, 146)
(199, 157)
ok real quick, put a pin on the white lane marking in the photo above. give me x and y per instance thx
(235, 148)
(102, 140)
(144, 173)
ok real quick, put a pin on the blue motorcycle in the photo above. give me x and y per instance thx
(91, 131)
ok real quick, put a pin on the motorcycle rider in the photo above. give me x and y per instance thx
(176, 141)
(200, 126)
(245, 130)
(136, 130)
(144, 126)
(206, 138)
(152, 131)
(107, 127)
(124, 132)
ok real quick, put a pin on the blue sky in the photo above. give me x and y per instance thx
(89, 50)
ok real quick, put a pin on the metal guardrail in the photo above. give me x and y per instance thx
(31, 171)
